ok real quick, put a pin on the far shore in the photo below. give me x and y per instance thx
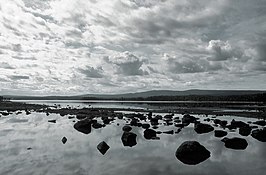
(182, 108)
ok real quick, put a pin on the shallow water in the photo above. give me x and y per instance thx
(48, 155)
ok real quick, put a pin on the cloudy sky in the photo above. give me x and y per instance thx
(103, 46)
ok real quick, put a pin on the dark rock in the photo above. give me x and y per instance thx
(155, 127)
(129, 139)
(187, 119)
(29, 148)
(235, 143)
(223, 123)
(149, 115)
(19, 112)
(71, 117)
(216, 121)
(52, 121)
(27, 112)
(149, 134)
(178, 131)
(238, 124)
(81, 116)
(103, 147)
(259, 134)
(245, 131)
(207, 119)
(179, 125)
(220, 133)
(126, 128)
(64, 140)
(260, 122)
(158, 117)
(154, 121)
(169, 132)
(201, 128)
(145, 125)
(120, 116)
(192, 153)
(169, 116)
(83, 126)
(96, 125)
(106, 121)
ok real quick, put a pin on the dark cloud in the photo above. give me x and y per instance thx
(91, 72)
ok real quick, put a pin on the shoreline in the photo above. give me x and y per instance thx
(200, 110)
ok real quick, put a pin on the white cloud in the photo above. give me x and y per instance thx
(123, 44)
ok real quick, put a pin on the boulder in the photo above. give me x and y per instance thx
(145, 125)
(126, 128)
(187, 119)
(149, 134)
(96, 125)
(154, 121)
(259, 134)
(129, 139)
(201, 128)
(103, 147)
(220, 133)
(235, 143)
(83, 126)
(260, 122)
(192, 153)
(52, 121)
(64, 140)
(238, 124)
(169, 132)
(245, 131)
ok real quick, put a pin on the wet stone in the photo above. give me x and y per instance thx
(103, 147)
(192, 153)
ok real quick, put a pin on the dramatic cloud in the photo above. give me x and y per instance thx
(127, 64)
(89, 46)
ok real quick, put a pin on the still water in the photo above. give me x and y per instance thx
(32, 145)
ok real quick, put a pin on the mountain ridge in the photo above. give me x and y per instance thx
(143, 94)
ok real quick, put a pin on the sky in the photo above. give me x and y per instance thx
(69, 47)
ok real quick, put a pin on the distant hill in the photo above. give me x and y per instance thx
(143, 95)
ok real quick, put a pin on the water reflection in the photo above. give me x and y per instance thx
(79, 155)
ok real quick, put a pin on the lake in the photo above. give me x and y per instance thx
(32, 145)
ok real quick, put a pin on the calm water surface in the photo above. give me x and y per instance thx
(80, 156)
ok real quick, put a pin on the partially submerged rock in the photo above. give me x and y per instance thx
(103, 147)
(83, 126)
(187, 119)
(129, 139)
(259, 134)
(235, 143)
(64, 140)
(169, 132)
(96, 125)
(245, 131)
(126, 128)
(149, 134)
(192, 153)
(260, 122)
(201, 128)
(220, 133)
(52, 121)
